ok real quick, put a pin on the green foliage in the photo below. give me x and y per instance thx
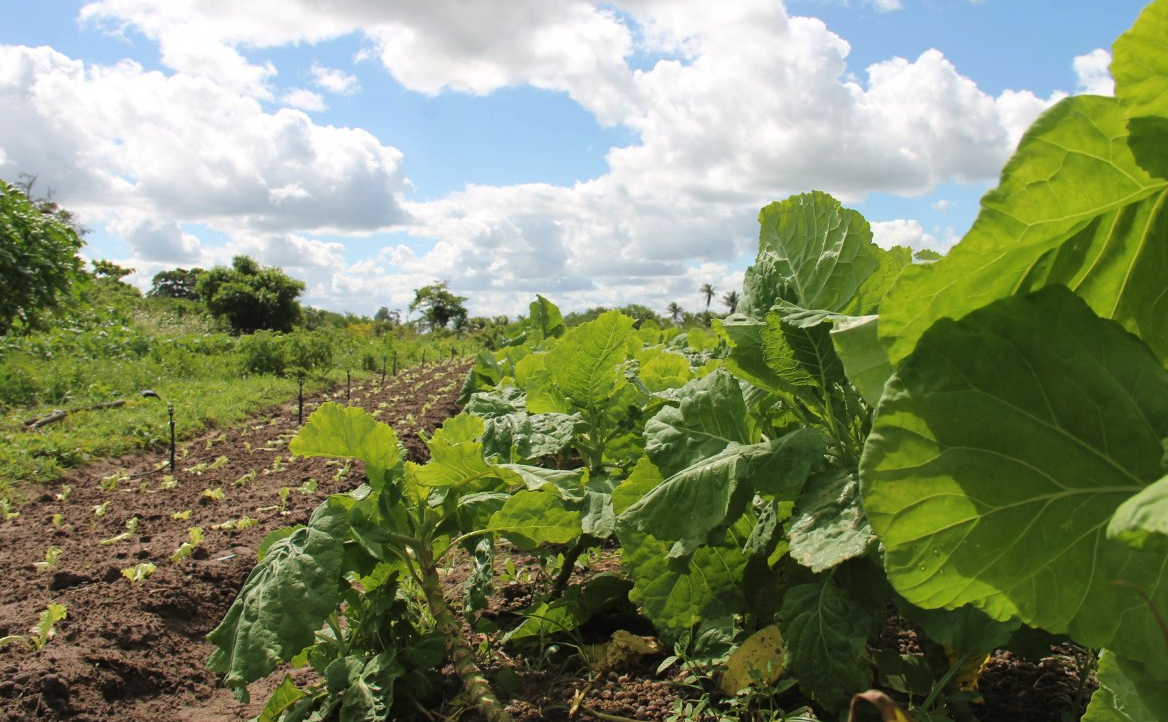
(38, 259)
(176, 283)
(251, 298)
(439, 306)
(271, 352)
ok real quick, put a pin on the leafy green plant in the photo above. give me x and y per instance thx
(389, 536)
(139, 572)
(44, 630)
(52, 554)
(131, 529)
(194, 539)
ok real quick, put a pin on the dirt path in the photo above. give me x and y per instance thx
(136, 650)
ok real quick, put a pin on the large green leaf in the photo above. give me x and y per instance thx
(1073, 207)
(710, 416)
(545, 318)
(676, 594)
(585, 361)
(1140, 64)
(348, 432)
(865, 361)
(1000, 451)
(536, 517)
(1141, 522)
(283, 602)
(815, 254)
(1126, 693)
(829, 526)
(826, 631)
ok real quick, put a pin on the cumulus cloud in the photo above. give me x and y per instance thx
(728, 106)
(306, 100)
(910, 233)
(1093, 72)
(335, 81)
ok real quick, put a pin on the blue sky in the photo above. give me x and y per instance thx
(600, 154)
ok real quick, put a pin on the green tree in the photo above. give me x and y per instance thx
(439, 306)
(176, 283)
(38, 258)
(251, 297)
(676, 312)
(731, 299)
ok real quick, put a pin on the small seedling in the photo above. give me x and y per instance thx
(6, 511)
(131, 527)
(40, 634)
(58, 518)
(308, 487)
(139, 572)
(249, 476)
(109, 483)
(50, 562)
(181, 515)
(187, 548)
(63, 494)
(168, 483)
(100, 509)
(214, 493)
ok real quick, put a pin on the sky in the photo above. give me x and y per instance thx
(599, 154)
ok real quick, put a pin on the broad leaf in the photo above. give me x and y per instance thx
(829, 526)
(584, 363)
(815, 254)
(349, 432)
(1000, 451)
(284, 601)
(545, 317)
(826, 632)
(1073, 207)
(530, 518)
(1126, 693)
(677, 594)
(710, 416)
(865, 361)
(1141, 522)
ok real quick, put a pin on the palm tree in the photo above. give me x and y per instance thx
(675, 312)
(708, 291)
(731, 299)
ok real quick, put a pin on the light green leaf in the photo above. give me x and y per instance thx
(545, 317)
(1073, 207)
(676, 594)
(1141, 522)
(865, 361)
(826, 632)
(814, 254)
(577, 606)
(829, 526)
(660, 369)
(693, 502)
(747, 359)
(1140, 63)
(284, 601)
(1126, 693)
(710, 416)
(998, 455)
(644, 476)
(283, 697)
(530, 518)
(348, 432)
(804, 355)
(584, 363)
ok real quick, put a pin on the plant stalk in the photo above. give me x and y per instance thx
(473, 681)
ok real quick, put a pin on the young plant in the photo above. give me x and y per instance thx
(139, 572)
(195, 538)
(389, 536)
(42, 632)
(131, 528)
(52, 554)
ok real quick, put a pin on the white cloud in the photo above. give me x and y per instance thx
(335, 81)
(909, 232)
(1093, 72)
(743, 105)
(121, 139)
(886, 6)
(304, 100)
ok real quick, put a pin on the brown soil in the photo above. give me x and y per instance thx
(136, 651)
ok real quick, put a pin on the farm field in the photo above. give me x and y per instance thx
(135, 649)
